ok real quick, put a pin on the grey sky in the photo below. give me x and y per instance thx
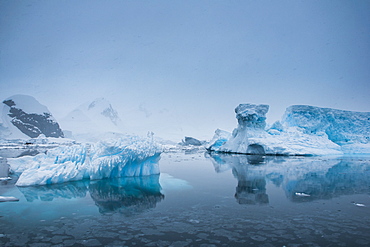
(194, 59)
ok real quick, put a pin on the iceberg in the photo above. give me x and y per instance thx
(219, 139)
(303, 130)
(190, 141)
(129, 156)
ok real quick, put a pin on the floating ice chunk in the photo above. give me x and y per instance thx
(194, 221)
(130, 156)
(301, 194)
(8, 199)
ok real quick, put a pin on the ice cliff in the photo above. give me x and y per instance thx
(130, 156)
(303, 130)
(23, 117)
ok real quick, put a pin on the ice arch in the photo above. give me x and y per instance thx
(255, 149)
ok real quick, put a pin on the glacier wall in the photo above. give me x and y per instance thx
(130, 156)
(303, 130)
(342, 127)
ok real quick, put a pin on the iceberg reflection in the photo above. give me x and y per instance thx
(50, 192)
(302, 178)
(344, 178)
(128, 195)
(251, 187)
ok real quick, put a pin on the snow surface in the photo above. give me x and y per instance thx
(28, 104)
(130, 156)
(304, 130)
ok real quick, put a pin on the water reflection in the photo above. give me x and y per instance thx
(344, 178)
(128, 195)
(251, 189)
(302, 178)
(50, 192)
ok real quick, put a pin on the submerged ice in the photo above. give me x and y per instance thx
(129, 156)
(303, 130)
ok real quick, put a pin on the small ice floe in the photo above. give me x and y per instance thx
(8, 199)
(5, 178)
(194, 221)
(358, 204)
(301, 194)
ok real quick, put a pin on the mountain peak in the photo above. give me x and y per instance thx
(93, 116)
(103, 107)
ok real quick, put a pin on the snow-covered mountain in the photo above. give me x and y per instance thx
(24, 117)
(97, 116)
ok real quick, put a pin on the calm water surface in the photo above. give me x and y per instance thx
(200, 200)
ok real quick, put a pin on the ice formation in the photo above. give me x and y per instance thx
(303, 130)
(24, 117)
(130, 156)
(190, 141)
(219, 139)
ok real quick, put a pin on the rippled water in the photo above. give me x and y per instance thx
(200, 200)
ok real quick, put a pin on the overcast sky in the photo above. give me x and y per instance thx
(194, 60)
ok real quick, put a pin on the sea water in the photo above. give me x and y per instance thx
(200, 199)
